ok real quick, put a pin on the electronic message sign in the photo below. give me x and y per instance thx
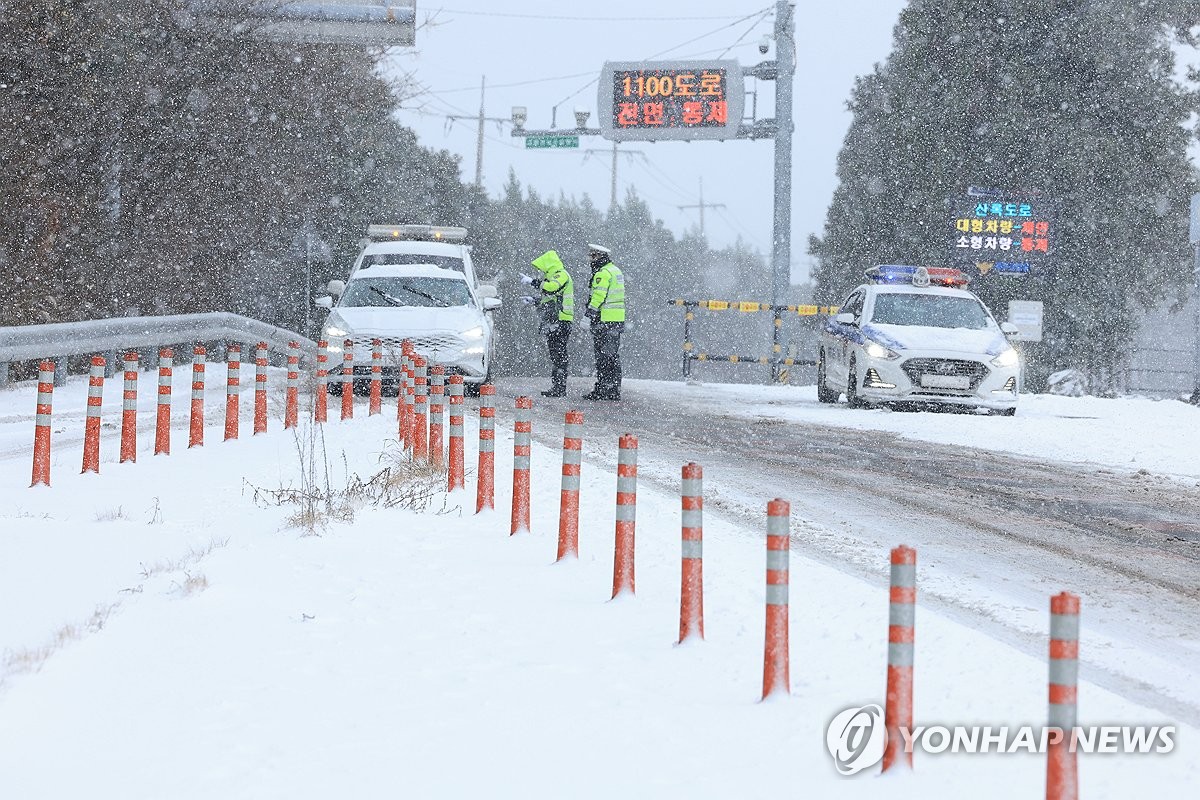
(671, 100)
(996, 231)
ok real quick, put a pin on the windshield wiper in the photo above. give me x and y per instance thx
(437, 302)
(391, 300)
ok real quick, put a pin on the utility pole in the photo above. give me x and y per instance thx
(781, 251)
(702, 205)
(616, 151)
(481, 119)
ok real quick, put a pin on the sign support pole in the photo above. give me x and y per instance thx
(1194, 238)
(781, 251)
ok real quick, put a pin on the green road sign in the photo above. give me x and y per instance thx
(543, 142)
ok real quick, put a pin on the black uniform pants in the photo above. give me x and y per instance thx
(606, 342)
(556, 342)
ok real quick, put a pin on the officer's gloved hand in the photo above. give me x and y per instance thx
(585, 324)
(593, 315)
(527, 300)
(527, 279)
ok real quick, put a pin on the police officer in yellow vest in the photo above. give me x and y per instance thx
(557, 306)
(606, 314)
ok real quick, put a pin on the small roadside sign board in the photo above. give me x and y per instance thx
(1027, 316)
(1195, 237)
(550, 142)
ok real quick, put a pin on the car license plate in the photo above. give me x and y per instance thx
(945, 382)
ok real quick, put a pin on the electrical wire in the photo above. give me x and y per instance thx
(738, 41)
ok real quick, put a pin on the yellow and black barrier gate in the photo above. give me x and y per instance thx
(776, 361)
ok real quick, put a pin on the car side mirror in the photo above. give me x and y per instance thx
(844, 319)
(488, 290)
(324, 302)
(492, 303)
(1008, 329)
(336, 288)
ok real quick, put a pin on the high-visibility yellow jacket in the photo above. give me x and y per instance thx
(558, 290)
(608, 293)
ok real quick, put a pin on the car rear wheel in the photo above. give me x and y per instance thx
(852, 398)
(824, 393)
(1007, 412)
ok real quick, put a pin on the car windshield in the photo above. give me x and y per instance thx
(405, 259)
(406, 291)
(931, 310)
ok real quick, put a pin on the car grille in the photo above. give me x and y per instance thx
(914, 368)
(431, 345)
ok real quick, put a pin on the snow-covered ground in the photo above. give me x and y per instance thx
(1125, 433)
(166, 636)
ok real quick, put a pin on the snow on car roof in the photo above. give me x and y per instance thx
(407, 271)
(414, 246)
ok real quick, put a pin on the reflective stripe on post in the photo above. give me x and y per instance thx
(522, 441)
(162, 420)
(196, 422)
(233, 390)
(402, 397)
(623, 554)
(420, 424)
(291, 409)
(437, 412)
(410, 398)
(129, 409)
(568, 505)
(775, 652)
(902, 614)
(91, 425)
(348, 379)
(485, 490)
(321, 399)
(375, 405)
(1062, 779)
(260, 388)
(456, 475)
(691, 589)
(41, 430)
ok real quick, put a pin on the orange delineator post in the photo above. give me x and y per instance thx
(162, 420)
(410, 400)
(129, 409)
(691, 589)
(91, 429)
(420, 424)
(41, 430)
(260, 388)
(437, 412)
(233, 391)
(902, 614)
(485, 489)
(623, 553)
(456, 474)
(402, 396)
(522, 442)
(321, 399)
(376, 403)
(1062, 777)
(568, 504)
(348, 380)
(775, 651)
(291, 408)
(196, 423)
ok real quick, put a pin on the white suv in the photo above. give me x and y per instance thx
(914, 337)
(437, 309)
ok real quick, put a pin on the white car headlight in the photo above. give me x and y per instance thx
(1008, 358)
(473, 333)
(876, 350)
(336, 332)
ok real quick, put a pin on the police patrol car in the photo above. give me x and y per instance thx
(913, 336)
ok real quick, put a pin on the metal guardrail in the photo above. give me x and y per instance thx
(60, 339)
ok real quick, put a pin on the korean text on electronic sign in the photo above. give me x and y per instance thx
(1007, 235)
(671, 100)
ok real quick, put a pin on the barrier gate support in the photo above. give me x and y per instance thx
(775, 361)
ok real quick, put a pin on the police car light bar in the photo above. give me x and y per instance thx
(916, 276)
(421, 233)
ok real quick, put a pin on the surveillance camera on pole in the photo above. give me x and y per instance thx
(764, 44)
(581, 117)
(520, 115)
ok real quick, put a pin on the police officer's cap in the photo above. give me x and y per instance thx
(595, 248)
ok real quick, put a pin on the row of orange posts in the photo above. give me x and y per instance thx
(420, 419)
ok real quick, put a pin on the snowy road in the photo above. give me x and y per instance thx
(997, 533)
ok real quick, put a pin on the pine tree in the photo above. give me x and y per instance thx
(1069, 98)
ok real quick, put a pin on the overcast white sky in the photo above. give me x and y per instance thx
(528, 40)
